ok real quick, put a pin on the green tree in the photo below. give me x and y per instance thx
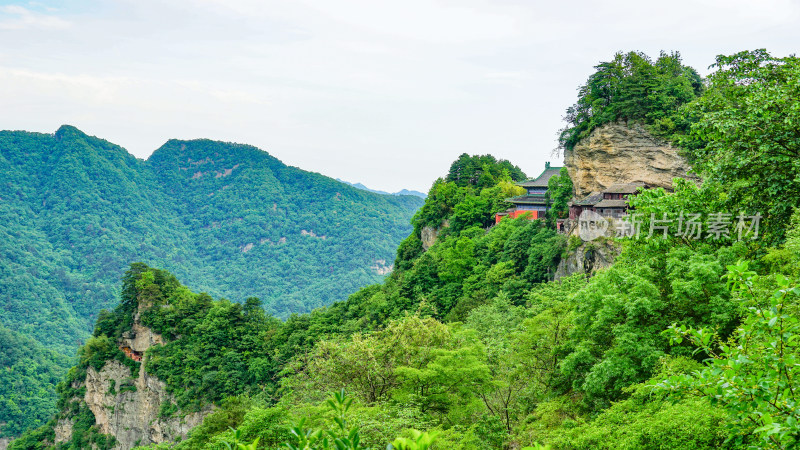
(633, 87)
(482, 171)
(752, 375)
(746, 140)
(560, 191)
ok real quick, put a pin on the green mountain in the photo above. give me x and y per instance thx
(229, 219)
(684, 342)
(28, 381)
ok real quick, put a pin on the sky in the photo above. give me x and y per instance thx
(372, 91)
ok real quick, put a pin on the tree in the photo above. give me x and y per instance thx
(753, 375)
(560, 190)
(413, 359)
(747, 139)
(482, 171)
(633, 87)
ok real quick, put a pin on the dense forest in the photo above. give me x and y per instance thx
(229, 219)
(684, 343)
(635, 87)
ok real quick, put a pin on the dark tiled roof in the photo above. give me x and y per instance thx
(589, 200)
(506, 212)
(541, 180)
(627, 188)
(612, 204)
(528, 200)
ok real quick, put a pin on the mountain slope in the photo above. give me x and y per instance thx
(27, 381)
(298, 228)
(229, 219)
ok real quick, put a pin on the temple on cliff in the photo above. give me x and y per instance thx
(132, 354)
(535, 203)
(611, 202)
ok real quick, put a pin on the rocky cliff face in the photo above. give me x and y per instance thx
(588, 258)
(429, 235)
(622, 153)
(132, 416)
(129, 408)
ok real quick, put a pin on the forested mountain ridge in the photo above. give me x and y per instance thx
(230, 219)
(94, 208)
(685, 342)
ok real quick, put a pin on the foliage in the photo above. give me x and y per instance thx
(240, 420)
(417, 441)
(746, 138)
(413, 359)
(28, 376)
(752, 374)
(482, 171)
(560, 191)
(229, 219)
(645, 420)
(475, 188)
(634, 87)
(340, 437)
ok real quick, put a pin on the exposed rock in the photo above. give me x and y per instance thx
(4, 443)
(129, 408)
(428, 235)
(622, 153)
(381, 268)
(140, 337)
(312, 234)
(63, 430)
(132, 416)
(588, 258)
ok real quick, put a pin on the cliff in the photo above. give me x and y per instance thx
(129, 409)
(622, 153)
(587, 258)
(429, 235)
(135, 409)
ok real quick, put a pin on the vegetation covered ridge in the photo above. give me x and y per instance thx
(229, 219)
(682, 343)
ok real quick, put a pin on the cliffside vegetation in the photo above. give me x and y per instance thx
(687, 341)
(633, 86)
(229, 219)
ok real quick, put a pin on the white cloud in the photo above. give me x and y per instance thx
(20, 18)
(343, 87)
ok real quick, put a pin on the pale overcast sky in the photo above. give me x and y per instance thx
(385, 93)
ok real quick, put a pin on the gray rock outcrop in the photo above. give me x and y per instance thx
(618, 153)
(128, 407)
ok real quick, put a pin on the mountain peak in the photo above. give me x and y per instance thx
(198, 149)
(68, 131)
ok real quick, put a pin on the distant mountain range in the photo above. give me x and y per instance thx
(419, 194)
(76, 211)
(231, 220)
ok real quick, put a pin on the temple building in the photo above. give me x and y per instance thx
(132, 354)
(612, 202)
(535, 202)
